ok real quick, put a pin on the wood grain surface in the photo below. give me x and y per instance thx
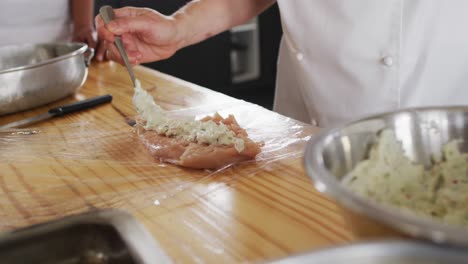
(251, 212)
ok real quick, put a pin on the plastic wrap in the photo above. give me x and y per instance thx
(60, 170)
(51, 163)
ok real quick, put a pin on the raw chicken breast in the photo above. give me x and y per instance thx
(199, 156)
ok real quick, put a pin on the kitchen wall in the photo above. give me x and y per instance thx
(240, 62)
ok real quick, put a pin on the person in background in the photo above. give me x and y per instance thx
(339, 59)
(31, 21)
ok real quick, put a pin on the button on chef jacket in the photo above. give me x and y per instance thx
(344, 59)
(34, 21)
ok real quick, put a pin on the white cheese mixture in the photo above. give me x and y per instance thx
(186, 128)
(389, 176)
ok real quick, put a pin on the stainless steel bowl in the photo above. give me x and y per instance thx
(382, 252)
(333, 153)
(35, 74)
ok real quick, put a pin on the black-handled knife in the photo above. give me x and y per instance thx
(60, 111)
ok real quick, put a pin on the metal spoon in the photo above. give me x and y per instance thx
(107, 14)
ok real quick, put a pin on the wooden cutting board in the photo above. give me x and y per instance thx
(251, 212)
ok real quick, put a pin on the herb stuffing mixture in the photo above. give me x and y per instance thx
(187, 128)
(388, 176)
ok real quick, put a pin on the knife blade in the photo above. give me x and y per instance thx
(60, 111)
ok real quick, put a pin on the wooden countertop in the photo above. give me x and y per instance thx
(93, 159)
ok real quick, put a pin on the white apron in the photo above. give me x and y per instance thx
(34, 21)
(344, 59)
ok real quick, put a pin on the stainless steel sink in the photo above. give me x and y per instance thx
(99, 237)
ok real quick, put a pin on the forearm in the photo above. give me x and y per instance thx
(201, 19)
(82, 13)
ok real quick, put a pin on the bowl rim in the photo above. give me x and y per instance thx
(81, 48)
(378, 248)
(326, 183)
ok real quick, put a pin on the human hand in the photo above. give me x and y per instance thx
(88, 36)
(146, 34)
(101, 53)
(85, 34)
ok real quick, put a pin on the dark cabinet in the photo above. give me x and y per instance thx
(218, 62)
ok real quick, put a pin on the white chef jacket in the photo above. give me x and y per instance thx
(344, 59)
(34, 21)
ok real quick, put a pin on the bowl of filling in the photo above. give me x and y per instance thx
(32, 75)
(398, 173)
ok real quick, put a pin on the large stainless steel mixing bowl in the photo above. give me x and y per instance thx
(334, 152)
(382, 252)
(33, 75)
